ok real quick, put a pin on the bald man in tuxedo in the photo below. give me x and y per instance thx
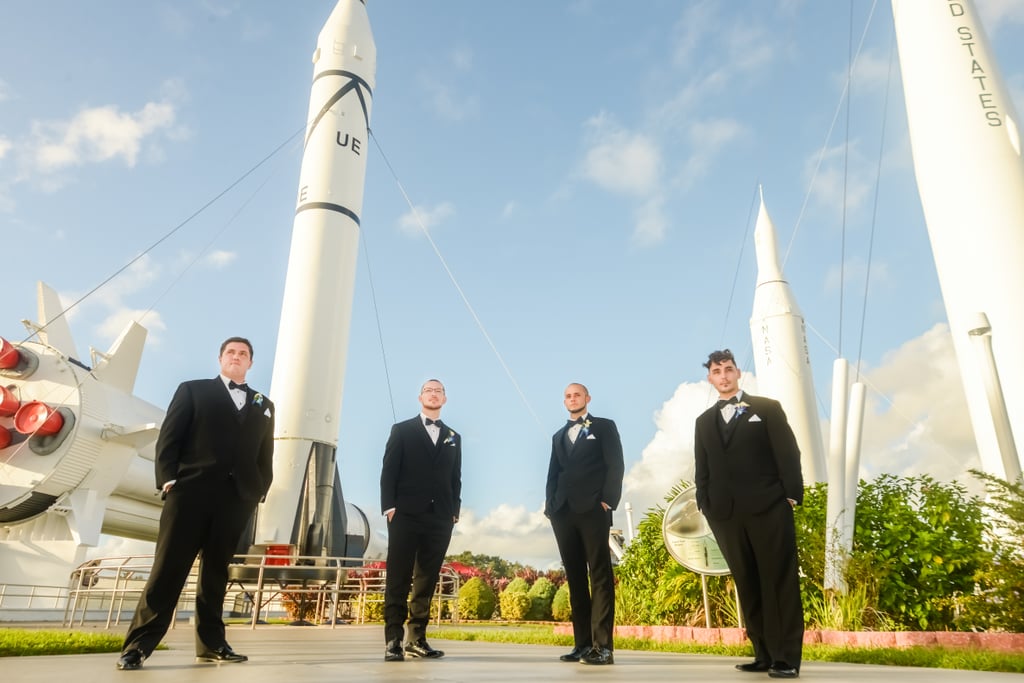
(584, 485)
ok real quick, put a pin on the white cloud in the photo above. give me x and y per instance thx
(854, 275)
(220, 259)
(650, 223)
(115, 323)
(619, 160)
(509, 209)
(844, 178)
(422, 218)
(507, 531)
(5, 90)
(95, 135)
(462, 58)
(997, 15)
(5, 146)
(916, 422)
(707, 138)
(111, 299)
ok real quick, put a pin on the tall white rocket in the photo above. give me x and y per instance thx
(312, 343)
(967, 158)
(781, 358)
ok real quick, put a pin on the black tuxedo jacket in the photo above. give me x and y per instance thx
(759, 467)
(417, 473)
(205, 439)
(588, 472)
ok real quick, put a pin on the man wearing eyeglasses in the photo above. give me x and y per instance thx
(420, 494)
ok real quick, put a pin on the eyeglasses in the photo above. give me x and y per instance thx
(431, 390)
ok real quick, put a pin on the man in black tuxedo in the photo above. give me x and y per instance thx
(421, 495)
(214, 463)
(747, 472)
(584, 485)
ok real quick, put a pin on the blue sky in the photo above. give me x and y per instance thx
(588, 171)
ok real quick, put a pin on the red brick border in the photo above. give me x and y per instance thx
(999, 642)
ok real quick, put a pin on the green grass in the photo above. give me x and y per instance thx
(25, 642)
(18, 642)
(926, 657)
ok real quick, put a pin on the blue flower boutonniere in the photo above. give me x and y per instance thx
(741, 407)
(257, 400)
(585, 432)
(450, 439)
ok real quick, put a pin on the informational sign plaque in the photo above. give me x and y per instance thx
(688, 538)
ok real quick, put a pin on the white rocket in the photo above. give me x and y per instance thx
(781, 358)
(76, 449)
(965, 138)
(305, 505)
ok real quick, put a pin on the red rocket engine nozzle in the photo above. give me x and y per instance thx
(9, 403)
(35, 417)
(9, 355)
(5, 438)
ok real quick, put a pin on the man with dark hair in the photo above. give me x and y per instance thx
(421, 495)
(748, 478)
(214, 463)
(584, 485)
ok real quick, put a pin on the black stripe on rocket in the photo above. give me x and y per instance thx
(356, 84)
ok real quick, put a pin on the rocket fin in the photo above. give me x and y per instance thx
(119, 366)
(137, 436)
(52, 328)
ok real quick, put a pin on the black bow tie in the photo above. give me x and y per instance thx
(577, 421)
(429, 422)
(243, 386)
(722, 403)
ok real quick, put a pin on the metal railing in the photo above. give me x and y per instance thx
(324, 590)
(17, 596)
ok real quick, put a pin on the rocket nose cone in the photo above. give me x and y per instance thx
(346, 41)
(765, 245)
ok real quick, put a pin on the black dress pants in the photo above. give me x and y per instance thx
(417, 544)
(201, 520)
(582, 539)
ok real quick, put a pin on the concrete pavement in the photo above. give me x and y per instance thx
(315, 654)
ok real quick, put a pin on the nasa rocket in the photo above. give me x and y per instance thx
(965, 139)
(305, 506)
(76, 449)
(781, 358)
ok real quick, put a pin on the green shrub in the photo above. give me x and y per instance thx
(922, 542)
(998, 602)
(515, 600)
(476, 599)
(541, 593)
(561, 610)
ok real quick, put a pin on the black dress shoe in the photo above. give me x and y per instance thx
(756, 666)
(419, 648)
(130, 660)
(576, 655)
(223, 654)
(783, 670)
(393, 651)
(598, 655)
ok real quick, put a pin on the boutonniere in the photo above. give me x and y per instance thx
(741, 407)
(586, 428)
(257, 400)
(450, 439)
